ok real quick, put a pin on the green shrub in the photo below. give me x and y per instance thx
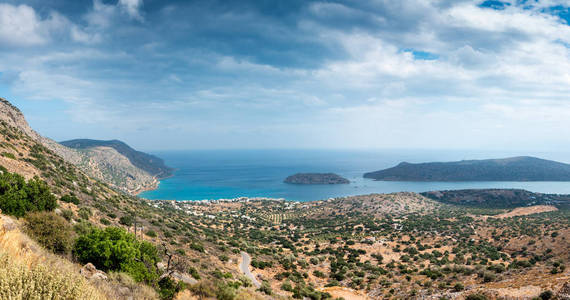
(17, 197)
(70, 198)
(84, 213)
(194, 273)
(9, 155)
(50, 230)
(546, 295)
(67, 214)
(476, 297)
(167, 288)
(458, 287)
(265, 288)
(151, 233)
(126, 220)
(113, 249)
(105, 221)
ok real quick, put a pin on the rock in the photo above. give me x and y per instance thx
(8, 224)
(161, 266)
(90, 272)
(183, 277)
(564, 293)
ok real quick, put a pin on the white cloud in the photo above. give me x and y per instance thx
(20, 26)
(132, 8)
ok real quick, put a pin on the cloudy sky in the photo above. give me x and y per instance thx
(293, 73)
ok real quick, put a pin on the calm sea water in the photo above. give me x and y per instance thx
(220, 174)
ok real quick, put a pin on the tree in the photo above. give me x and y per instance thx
(114, 249)
(17, 197)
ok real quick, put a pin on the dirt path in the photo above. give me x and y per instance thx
(244, 268)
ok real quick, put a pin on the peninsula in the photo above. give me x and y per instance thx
(522, 168)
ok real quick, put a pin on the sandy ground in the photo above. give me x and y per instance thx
(346, 293)
(523, 211)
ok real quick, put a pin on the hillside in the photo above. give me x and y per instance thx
(103, 163)
(498, 198)
(151, 164)
(508, 169)
(380, 246)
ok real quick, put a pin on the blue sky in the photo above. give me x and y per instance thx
(291, 74)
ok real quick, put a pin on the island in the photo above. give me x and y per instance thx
(522, 168)
(316, 178)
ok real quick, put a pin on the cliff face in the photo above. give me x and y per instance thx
(102, 163)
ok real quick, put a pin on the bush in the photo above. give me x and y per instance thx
(167, 288)
(67, 214)
(84, 213)
(18, 281)
(546, 295)
(17, 197)
(126, 220)
(151, 233)
(194, 273)
(265, 288)
(70, 198)
(458, 287)
(114, 249)
(50, 230)
(105, 221)
(476, 297)
(203, 289)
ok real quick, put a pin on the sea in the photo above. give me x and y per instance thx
(226, 174)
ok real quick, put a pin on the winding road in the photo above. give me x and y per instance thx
(244, 268)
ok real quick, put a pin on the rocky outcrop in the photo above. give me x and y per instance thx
(102, 163)
(316, 178)
(90, 272)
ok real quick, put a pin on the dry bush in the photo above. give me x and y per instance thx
(27, 271)
(122, 286)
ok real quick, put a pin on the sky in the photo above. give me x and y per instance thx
(212, 74)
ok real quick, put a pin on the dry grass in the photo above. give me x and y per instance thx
(27, 271)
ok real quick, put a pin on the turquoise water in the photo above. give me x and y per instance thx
(220, 174)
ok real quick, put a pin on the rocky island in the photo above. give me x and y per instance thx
(316, 178)
(522, 168)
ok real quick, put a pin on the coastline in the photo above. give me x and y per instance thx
(153, 186)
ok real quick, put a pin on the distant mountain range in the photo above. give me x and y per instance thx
(522, 168)
(147, 162)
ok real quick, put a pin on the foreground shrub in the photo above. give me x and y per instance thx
(17, 281)
(51, 231)
(113, 249)
(17, 197)
(167, 288)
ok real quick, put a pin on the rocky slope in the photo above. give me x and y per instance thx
(522, 168)
(102, 163)
(151, 164)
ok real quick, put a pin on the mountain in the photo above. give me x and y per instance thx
(497, 198)
(147, 162)
(522, 168)
(104, 163)
(316, 178)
